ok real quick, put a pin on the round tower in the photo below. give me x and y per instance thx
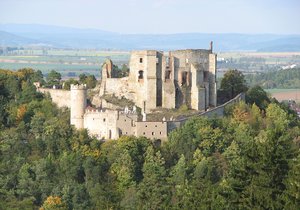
(78, 105)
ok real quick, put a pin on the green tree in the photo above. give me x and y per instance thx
(82, 78)
(257, 95)
(232, 84)
(26, 185)
(258, 162)
(90, 81)
(123, 168)
(292, 193)
(67, 84)
(37, 76)
(180, 188)
(153, 190)
(53, 78)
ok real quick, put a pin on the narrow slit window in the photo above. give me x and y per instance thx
(141, 75)
(184, 77)
(168, 75)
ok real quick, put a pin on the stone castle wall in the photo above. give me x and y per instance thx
(215, 112)
(62, 98)
(102, 124)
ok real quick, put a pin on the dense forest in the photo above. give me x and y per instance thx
(249, 159)
(285, 78)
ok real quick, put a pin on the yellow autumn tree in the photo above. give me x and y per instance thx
(21, 112)
(53, 203)
(241, 113)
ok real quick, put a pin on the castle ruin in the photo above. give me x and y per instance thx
(156, 80)
(181, 77)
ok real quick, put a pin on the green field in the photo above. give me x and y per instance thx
(68, 61)
(271, 91)
(63, 61)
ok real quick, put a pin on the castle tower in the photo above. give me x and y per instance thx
(78, 105)
(195, 77)
(146, 75)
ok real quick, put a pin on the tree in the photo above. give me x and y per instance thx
(257, 95)
(258, 162)
(37, 77)
(123, 168)
(90, 81)
(67, 83)
(82, 78)
(53, 78)
(179, 181)
(153, 190)
(232, 84)
(292, 193)
(125, 70)
(53, 203)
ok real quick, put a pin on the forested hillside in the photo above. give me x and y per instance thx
(249, 159)
(285, 78)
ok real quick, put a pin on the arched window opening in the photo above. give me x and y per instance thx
(141, 75)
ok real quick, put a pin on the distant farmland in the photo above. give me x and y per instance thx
(67, 62)
(76, 61)
(285, 94)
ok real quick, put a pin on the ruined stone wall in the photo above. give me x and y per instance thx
(184, 58)
(120, 87)
(168, 85)
(151, 78)
(197, 89)
(156, 80)
(213, 79)
(187, 65)
(62, 98)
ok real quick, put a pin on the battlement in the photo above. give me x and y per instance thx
(205, 51)
(78, 87)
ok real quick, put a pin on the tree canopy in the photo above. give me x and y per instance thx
(53, 78)
(248, 159)
(232, 84)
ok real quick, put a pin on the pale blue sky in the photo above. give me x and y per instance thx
(159, 16)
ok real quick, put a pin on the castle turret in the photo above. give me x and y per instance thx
(78, 105)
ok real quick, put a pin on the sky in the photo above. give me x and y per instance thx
(159, 16)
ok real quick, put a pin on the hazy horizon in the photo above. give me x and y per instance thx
(158, 16)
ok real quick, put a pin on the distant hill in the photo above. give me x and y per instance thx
(67, 37)
(9, 39)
